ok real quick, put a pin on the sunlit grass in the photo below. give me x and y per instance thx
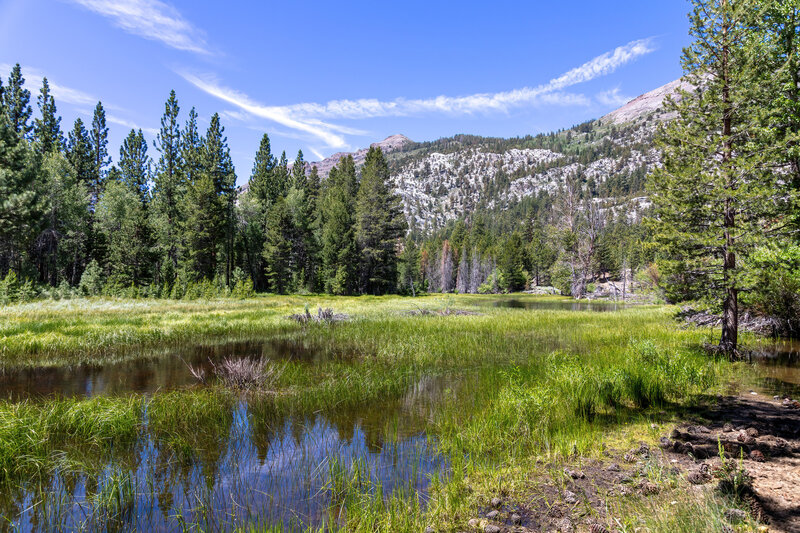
(526, 386)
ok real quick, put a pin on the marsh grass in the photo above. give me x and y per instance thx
(522, 385)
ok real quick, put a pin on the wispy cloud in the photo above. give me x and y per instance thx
(307, 117)
(127, 124)
(613, 98)
(33, 81)
(151, 19)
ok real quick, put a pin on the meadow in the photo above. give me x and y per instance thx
(410, 414)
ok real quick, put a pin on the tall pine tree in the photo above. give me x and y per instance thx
(716, 196)
(379, 226)
(16, 100)
(47, 129)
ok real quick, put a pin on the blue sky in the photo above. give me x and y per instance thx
(334, 76)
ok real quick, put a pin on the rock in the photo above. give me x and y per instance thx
(776, 397)
(629, 458)
(497, 502)
(675, 434)
(429, 529)
(644, 449)
(574, 474)
(565, 525)
(753, 432)
(598, 528)
(744, 438)
(728, 428)
(791, 404)
(491, 528)
(516, 519)
(613, 467)
(757, 456)
(570, 497)
(735, 516)
(664, 443)
(474, 523)
(624, 490)
(492, 515)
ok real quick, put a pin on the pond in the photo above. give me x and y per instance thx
(261, 466)
(151, 371)
(560, 305)
(778, 364)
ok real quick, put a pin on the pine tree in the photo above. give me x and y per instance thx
(134, 165)
(278, 248)
(101, 159)
(79, 153)
(21, 205)
(217, 164)
(47, 129)
(262, 184)
(339, 254)
(169, 187)
(379, 226)
(201, 227)
(715, 195)
(16, 100)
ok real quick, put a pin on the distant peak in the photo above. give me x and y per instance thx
(393, 142)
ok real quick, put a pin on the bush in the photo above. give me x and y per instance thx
(91, 283)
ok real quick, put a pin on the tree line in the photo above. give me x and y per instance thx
(178, 226)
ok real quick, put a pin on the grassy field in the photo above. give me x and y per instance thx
(535, 389)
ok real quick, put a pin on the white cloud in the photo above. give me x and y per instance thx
(281, 115)
(613, 98)
(306, 117)
(151, 19)
(130, 125)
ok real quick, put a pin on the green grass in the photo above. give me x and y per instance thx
(526, 386)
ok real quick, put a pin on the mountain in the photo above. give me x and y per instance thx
(441, 181)
(444, 180)
(388, 145)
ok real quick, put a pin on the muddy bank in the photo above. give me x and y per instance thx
(758, 472)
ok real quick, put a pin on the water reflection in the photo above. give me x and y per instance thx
(269, 467)
(162, 370)
(564, 305)
(778, 364)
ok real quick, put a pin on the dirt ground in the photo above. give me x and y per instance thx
(758, 435)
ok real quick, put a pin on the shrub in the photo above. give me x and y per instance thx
(91, 283)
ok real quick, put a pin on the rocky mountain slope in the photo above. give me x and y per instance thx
(443, 180)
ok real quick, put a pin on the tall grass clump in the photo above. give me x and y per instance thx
(35, 436)
(192, 423)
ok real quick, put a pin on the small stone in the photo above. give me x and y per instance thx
(516, 519)
(698, 477)
(613, 467)
(735, 516)
(653, 426)
(491, 528)
(644, 449)
(664, 443)
(565, 525)
(675, 434)
(754, 393)
(629, 458)
(753, 432)
(429, 529)
(574, 474)
(624, 490)
(570, 497)
(598, 528)
(727, 428)
(474, 523)
(776, 397)
(757, 456)
(497, 502)
(744, 438)
(492, 515)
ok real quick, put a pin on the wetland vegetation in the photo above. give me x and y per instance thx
(388, 421)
